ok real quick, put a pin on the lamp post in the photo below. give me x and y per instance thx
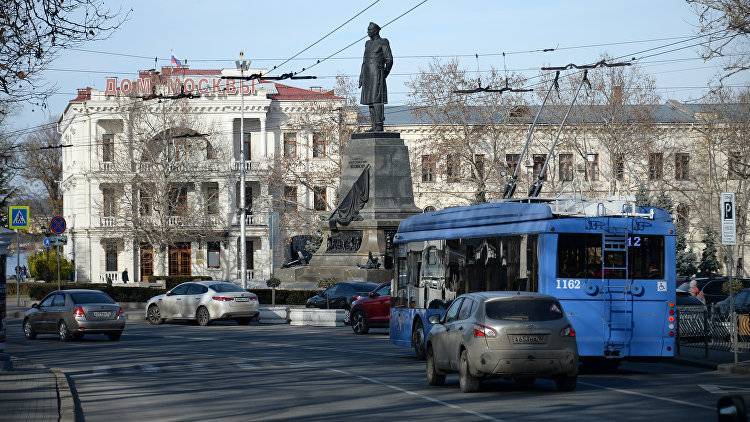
(242, 65)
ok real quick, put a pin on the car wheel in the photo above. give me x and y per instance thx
(566, 383)
(434, 377)
(203, 317)
(524, 381)
(467, 382)
(154, 315)
(63, 332)
(359, 323)
(243, 321)
(28, 330)
(114, 336)
(417, 340)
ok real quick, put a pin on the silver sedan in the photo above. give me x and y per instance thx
(515, 335)
(203, 301)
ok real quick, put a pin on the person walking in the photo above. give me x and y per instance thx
(125, 278)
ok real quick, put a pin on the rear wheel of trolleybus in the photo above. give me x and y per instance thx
(417, 339)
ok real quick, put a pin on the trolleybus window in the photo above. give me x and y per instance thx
(646, 256)
(579, 255)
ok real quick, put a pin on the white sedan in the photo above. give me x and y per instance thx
(203, 301)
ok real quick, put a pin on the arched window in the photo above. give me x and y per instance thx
(429, 208)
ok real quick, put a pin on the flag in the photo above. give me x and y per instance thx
(176, 62)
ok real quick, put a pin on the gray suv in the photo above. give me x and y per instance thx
(516, 335)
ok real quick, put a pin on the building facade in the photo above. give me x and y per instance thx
(151, 182)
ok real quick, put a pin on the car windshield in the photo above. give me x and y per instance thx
(226, 288)
(90, 297)
(523, 309)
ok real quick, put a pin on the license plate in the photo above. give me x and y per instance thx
(522, 339)
(241, 299)
(102, 314)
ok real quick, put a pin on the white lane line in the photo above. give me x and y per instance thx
(413, 393)
(650, 396)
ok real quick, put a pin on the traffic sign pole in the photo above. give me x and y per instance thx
(729, 239)
(18, 267)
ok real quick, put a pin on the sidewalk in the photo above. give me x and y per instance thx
(30, 393)
(716, 359)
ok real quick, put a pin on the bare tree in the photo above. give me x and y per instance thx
(32, 32)
(44, 164)
(726, 26)
(468, 135)
(167, 169)
(9, 189)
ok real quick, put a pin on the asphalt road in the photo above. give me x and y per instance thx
(229, 372)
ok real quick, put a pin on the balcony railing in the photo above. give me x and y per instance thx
(248, 165)
(106, 221)
(250, 274)
(106, 166)
(259, 219)
(109, 277)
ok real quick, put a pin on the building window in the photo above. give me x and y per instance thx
(320, 202)
(109, 202)
(319, 146)
(212, 198)
(210, 151)
(110, 257)
(248, 197)
(428, 168)
(290, 145)
(512, 161)
(478, 166)
(145, 202)
(290, 198)
(682, 166)
(539, 160)
(737, 169)
(246, 144)
(618, 166)
(565, 170)
(683, 216)
(108, 147)
(249, 254)
(655, 166)
(592, 167)
(178, 203)
(213, 254)
(453, 168)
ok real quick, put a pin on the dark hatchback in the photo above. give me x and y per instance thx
(341, 295)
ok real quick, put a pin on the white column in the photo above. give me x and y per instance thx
(263, 137)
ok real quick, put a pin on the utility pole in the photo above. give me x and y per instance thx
(18, 267)
(242, 65)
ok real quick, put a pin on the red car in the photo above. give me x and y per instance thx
(372, 311)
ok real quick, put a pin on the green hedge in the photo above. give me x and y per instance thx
(37, 291)
(284, 297)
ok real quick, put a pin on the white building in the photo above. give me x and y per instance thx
(103, 241)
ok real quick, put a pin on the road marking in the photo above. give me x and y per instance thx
(413, 393)
(723, 389)
(650, 396)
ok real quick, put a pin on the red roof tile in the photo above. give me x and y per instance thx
(83, 95)
(292, 93)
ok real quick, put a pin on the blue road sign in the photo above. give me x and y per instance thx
(57, 225)
(47, 243)
(19, 217)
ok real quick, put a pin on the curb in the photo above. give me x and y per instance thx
(694, 363)
(742, 368)
(65, 402)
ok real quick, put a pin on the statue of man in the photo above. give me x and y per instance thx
(376, 65)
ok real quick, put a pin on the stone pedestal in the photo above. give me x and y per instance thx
(390, 200)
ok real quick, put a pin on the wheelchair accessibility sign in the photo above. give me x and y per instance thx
(19, 217)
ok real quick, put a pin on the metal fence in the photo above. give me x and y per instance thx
(699, 327)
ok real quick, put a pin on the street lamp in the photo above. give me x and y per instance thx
(242, 65)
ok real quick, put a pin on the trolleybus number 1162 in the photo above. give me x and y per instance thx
(568, 284)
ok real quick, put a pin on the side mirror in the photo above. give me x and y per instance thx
(169, 293)
(373, 294)
(35, 305)
(731, 408)
(434, 319)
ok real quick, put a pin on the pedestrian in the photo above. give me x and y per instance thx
(24, 272)
(125, 276)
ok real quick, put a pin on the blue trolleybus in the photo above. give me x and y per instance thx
(611, 265)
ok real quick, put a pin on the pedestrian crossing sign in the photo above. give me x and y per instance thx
(18, 217)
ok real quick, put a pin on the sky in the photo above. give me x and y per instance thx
(210, 34)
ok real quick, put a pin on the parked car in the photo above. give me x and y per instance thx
(516, 335)
(72, 313)
(204, 302)
(741, 304)
(373, 311)
(341, 295)
(692, 317)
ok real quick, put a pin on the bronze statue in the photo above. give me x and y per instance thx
(376, 65)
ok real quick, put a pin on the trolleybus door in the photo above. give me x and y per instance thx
(617, 283)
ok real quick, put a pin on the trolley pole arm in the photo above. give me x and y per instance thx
(536, 187)
(510, 187)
